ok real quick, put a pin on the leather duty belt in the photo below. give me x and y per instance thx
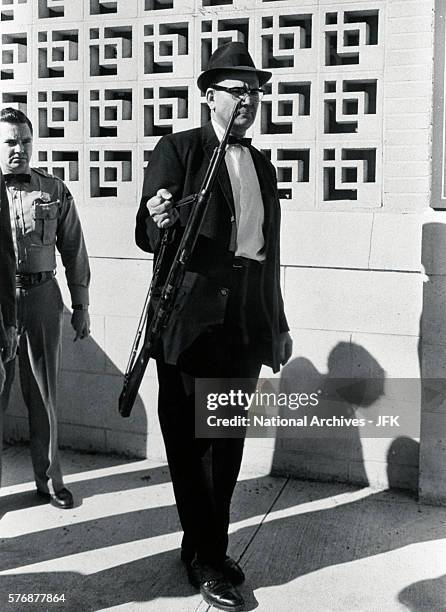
(27, 281)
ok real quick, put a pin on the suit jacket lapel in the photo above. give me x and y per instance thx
(210, 141)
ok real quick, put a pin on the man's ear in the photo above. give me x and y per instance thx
(210, 98)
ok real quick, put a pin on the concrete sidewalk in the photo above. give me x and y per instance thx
(305, 546)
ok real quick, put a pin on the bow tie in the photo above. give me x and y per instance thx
(17, 178)
(243, 142)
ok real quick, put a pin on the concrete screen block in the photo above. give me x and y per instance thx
(59, 53)
(104, 9)
(166, 47)
(111, 51)
(58, 10)
(109, 171)
(63, 160)
(15, 57)
(165, 108)
(288, 39)
(18, 11)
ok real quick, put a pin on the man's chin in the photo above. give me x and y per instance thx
(20, 166)
(244, 123)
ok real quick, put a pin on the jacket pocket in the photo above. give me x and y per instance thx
(45, 221)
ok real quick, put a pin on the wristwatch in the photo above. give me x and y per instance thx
(79, 306)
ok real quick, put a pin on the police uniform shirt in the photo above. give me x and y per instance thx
(43, 216)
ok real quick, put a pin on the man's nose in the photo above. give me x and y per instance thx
(19, 147)
(249, 98)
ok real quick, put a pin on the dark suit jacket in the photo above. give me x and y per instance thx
(179, 163)
(7, 265)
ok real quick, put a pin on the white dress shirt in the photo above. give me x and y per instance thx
(248, 203)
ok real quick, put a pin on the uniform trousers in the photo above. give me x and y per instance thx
(39, 315)
(204, 471)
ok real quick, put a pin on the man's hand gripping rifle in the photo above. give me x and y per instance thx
(162, 311)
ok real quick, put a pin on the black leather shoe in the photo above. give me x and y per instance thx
(215, 589)
(233, 572)
(61, 499)
(221, 594)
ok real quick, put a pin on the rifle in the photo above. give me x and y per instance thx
(137, 363)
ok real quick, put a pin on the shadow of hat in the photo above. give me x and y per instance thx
(231, 56)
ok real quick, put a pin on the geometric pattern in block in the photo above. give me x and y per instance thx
(110, 171)
(58, 114)
(50, 9)
(216, 31)
(293, 170)
(166, 109)
(15, 99)
(167, 48)
(111, 112)
(14, 55)
(61, 163)
(58, 54)
(348, 34)
(111, 51)
(285, 37)
(347, 103)
(350, 174)
(286, 106)
(17, 11)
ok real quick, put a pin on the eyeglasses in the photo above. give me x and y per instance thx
(240, 92)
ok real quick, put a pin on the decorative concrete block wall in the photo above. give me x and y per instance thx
(346, 120)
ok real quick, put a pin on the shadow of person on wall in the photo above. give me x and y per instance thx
(402, 464)
(354, 380)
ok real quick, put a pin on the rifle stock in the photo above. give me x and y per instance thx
(132, 383)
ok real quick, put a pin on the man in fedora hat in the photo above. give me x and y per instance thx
(229, 317)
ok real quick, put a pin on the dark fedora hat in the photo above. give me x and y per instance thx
(233, 57)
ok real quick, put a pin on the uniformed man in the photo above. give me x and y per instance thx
(43, 216)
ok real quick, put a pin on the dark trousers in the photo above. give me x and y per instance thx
(204, 471)
(39, 312)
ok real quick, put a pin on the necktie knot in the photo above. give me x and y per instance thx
(243, 142)
(17, 178)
